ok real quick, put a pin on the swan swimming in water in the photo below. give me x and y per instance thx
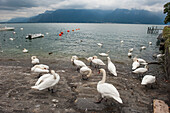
(100, 44)
(131, 49)
(35, 60)
(148, 79)
(106, 89)
(111, 67)
(25, 50)
(47, 81)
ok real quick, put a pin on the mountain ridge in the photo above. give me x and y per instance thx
(132, 16)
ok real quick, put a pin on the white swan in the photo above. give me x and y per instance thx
(35, 60)
(141, 70)
(40, 68)
(86, 70)
(129, 54)
(74, 57)
(103, 54)
(111, 67)
(160, 55)
(140, 60)
(78, 63)
(11, 39)
(100, 44)
(21, 28)
(148, 79)
(47, 81)
(121, 41)
(150, 43)
(25, 50)
(98, 62)
(143, 47)
(106, 89)
(131, 49)
(135, 64)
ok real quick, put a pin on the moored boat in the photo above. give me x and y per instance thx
(33, 36)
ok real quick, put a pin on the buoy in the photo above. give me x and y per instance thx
(72, 30)
(68, 30)
(60, 34)
(78, 28)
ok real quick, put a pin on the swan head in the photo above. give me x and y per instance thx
(73, 58)
(89, 59)
(33, 57)
(94, 57)
(101, 70)
(108, 58)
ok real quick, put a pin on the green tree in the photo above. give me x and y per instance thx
(167, 10)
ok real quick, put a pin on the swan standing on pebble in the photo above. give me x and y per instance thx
(141, 70)
(106, 89)
(86, 70)
(40, 68)
(97, 61)
(111, 67)
(47, 81)
(78, 63)
(35, 60)
(148, 79)
(135, 64)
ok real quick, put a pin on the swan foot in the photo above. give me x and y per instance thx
(52, 91)
(49, 89)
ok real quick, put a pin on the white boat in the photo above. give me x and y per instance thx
(7, 28)
(33, 36)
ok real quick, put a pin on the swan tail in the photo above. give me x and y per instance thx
(118, 99)
(34, 87)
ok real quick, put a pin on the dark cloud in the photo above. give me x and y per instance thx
(16, 4)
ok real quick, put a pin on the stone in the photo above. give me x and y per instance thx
(160, 106)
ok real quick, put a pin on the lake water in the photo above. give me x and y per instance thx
(82, 43)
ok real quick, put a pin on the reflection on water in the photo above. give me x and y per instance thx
(82, 43)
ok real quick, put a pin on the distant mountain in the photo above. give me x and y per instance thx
(96, 16)
(20, 19)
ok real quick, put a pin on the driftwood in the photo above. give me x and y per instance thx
(160, 106)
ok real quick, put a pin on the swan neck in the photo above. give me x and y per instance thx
(104, 77)
(90, 71)
(54, 75)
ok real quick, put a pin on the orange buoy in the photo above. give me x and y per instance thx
(73, 30)
(68, 30)
(60, 34)
(78, 28)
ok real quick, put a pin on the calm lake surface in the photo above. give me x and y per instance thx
(82, 43)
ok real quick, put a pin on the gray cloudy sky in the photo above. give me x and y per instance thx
(26, 8)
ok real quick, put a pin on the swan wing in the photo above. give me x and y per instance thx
(135, 65)
(42, 78)
(46, 83)
(79, 63)
(98, 61)
(112, 68)
(147, 79)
